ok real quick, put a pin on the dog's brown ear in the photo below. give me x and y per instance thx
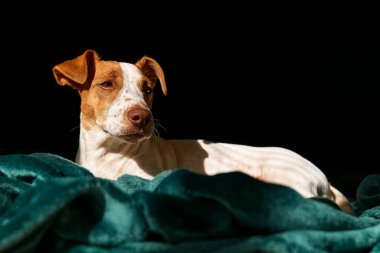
(78, 72)
(151, 69)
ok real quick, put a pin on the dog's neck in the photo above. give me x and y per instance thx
(96, 144)
(105, 155)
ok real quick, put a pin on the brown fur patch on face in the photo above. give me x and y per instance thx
(97, 99)
(153, 71)
(146, 86)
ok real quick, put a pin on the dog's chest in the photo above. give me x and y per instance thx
(107, 159)
(112, 166)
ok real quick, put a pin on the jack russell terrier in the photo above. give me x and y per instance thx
(117, 126)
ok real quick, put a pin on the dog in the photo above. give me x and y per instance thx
(117, 126)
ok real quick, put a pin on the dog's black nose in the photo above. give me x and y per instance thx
(139, 117)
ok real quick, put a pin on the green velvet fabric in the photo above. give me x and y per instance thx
(49, 204)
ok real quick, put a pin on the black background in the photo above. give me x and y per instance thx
(299, 77)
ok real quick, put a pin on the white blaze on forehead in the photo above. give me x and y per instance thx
(131, 76)
(129, 95)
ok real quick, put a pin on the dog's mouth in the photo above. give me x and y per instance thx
(133, 135)
(140, 133)
(134, 138)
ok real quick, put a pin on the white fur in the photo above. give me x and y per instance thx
(110, 158)
(129, 96)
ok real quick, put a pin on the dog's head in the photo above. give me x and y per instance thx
(115, 97)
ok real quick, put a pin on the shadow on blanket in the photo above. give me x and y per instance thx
(49, 204)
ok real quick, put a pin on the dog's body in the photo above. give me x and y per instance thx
(117, 126)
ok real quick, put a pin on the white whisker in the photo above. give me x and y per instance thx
(156, 132)
(74, 128)
(158, 124)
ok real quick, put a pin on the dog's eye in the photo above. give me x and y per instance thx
(146, 89)
(107, 85)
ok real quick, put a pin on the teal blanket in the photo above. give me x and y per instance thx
(49, 204)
